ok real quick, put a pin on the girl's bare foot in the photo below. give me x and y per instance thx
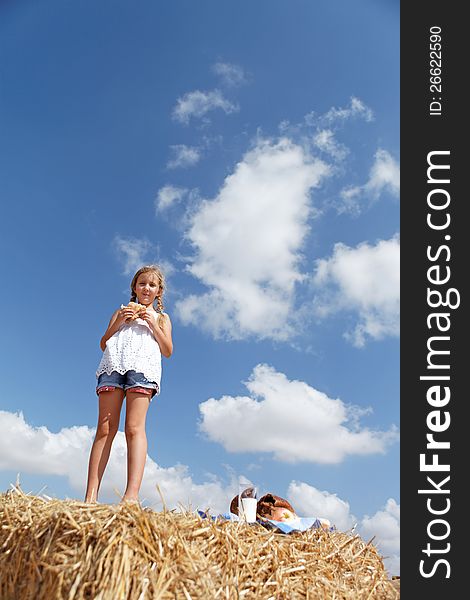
(125, 500)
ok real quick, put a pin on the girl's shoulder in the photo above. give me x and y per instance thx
(114, 316)
(165, 316)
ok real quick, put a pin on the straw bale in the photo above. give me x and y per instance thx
(67, 550)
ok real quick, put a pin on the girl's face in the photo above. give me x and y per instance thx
(146, 288)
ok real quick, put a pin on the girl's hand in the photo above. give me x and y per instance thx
(123, 315)
(150, 317)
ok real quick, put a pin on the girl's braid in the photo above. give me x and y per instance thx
(159, 299)
(159, 304)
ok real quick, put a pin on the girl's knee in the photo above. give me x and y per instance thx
(133, 430)
(107, 429)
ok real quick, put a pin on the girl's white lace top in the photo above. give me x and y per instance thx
(133, 347)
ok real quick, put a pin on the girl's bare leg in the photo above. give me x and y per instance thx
(110, 404)
(137, 404)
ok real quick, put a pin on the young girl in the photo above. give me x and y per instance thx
(131, 367)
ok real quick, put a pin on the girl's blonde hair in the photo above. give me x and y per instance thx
(155, 269)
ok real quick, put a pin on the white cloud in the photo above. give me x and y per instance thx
(325, 141)
(167, 196)
(231, 75)
(310, 502)
(197, 104)
(384, 176)
(248, 243)
(356, 109)
(324, 127)
(290, 419)
(350, 200)
(183, 156)
(131, 252)
(37, 450)
(364, 280)
(383, 526)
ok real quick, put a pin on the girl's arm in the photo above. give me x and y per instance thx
(161, 329)
(119, 317)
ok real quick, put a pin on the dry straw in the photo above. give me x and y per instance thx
(68, 550)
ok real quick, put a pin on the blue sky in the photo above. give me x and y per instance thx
(251, 149)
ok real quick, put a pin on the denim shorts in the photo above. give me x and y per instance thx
(131, 381)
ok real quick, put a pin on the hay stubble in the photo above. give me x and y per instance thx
(55, 549)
